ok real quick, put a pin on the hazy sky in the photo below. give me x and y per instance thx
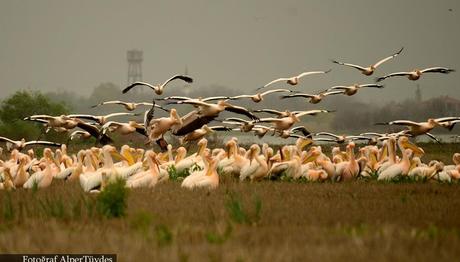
(75, 45)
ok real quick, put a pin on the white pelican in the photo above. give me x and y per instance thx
(353, 89)
(285, 123)
(42, 178)
(314, 99)
(417, 73)
(403, 167)
(202, 99)
(417, 128)
(201, 132)
(7, 184)
(21, 144)
(102, 120)
(256, 98)
(147, 178)
(294, 80)
(130, 106)
(370, 69)
(256, 168)
(244, 125)
(206, 178)
(123, 128)
(157, 127)
(427, 172)
(158, 89)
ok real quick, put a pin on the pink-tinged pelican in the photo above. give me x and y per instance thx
(417, 73)
(370, 69)
(158, 89)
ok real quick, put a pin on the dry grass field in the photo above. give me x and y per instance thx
(277, 221)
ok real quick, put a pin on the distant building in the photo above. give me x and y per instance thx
(135, 59)
(418, 94)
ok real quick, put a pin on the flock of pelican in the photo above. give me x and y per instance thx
(384, 156)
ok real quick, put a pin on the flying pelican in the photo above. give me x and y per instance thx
(123, 128)
(314, 99)
(418, 128)
(130, 106)
(159, 88)
(256, 98)
(353, 89)
(287, 122)
(294, 80)
(205, 99)
(370, 69)
(244, 125)
(102, 120)
(157, 127)
(55, 122)
(417, 73)
(21, 144)
(206, 113)
(201, 132)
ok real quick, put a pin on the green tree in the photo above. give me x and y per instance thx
(22, 104)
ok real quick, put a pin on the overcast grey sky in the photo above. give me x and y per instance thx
(75, 45)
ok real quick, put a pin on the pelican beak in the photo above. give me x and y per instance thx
(305, 142)
(118, 156)
(418, 151)
(312, 156)
(128, 157)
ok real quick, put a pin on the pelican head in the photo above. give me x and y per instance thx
(433, 122)
(406, 144)
(208, 129)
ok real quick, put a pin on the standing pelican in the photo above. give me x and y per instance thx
(370, 69)
(294, 80)
(158, 89)
(417, 73)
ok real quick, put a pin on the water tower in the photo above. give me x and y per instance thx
(134, 65)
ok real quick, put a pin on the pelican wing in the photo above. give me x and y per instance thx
(120, 114)
(350, 65)
(185, 78)
(449, 118)
(339, 88)
(401, 123)
(236, 119)
(270, 111)
(327, 134)
(241, 110)
(393, 75)
(83, 116)
(220, 128)
(313, 73)
(433, 137)
(43, 143)
(388, 58)
(328, 93)
(274, 81)
(176, 98)
(274, 91)
(116, 102)
(4, 139)
(372, 85)
(301, 129)
(298, 95)
(311, 112)
(239, 96)
(443, 70)
(126, 90)
(270, 120)
(213, 98)
(191, 122)
(194, 102)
